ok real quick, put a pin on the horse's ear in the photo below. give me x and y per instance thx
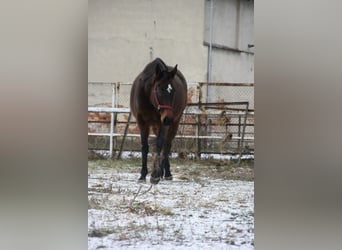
(174, 71)
(159, 72)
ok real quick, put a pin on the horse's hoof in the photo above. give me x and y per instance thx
(154, 180)
(142, 179)
(168, 178)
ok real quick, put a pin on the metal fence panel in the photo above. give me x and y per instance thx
(203, 129)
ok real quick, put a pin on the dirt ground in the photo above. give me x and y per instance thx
(208, 204)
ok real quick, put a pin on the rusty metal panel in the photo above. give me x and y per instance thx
(214, 128)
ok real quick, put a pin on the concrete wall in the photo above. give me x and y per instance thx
(124, 35)
(233, 30)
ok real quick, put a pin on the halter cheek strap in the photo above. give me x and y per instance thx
(157, 101)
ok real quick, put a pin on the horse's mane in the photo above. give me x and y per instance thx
(150, 68)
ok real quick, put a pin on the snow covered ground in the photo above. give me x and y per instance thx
(129, 154)
(200, 213)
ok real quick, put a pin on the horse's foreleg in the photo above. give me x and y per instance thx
(167, 149)
(158, 170)
(161, 139)
(160, 143)
(165, 165)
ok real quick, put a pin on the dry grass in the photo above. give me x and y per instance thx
(185, 169)
(197, 207)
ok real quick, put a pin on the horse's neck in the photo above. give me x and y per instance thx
(147, 90)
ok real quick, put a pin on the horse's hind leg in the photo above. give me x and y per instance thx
(144, 132)
(144, 152)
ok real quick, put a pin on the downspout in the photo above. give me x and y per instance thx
(210, 46)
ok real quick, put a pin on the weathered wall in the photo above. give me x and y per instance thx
(125, 34)
(233, 31)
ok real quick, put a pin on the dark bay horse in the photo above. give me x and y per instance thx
(158, 99)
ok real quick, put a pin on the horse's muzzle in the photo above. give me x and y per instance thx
(154, 180)
(167, 117)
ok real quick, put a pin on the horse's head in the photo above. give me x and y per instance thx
(163, 93)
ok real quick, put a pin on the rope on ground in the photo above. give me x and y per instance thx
(136, 195)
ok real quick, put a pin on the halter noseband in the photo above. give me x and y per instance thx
(157, 101)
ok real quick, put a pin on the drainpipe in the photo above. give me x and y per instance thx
(210, 45)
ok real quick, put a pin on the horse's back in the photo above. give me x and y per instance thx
(134, 95)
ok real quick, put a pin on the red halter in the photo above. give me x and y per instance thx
(157, 101)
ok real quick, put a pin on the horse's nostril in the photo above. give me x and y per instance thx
(167, 121)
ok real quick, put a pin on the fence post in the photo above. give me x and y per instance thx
(198, 129)
(243, 132)
(124, 136)
(239, 132)
(111, 124)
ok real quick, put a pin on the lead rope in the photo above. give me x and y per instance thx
(136, 195)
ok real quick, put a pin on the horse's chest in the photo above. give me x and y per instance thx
(151, 117)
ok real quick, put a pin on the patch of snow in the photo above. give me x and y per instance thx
(129, 154)
(178, 214)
